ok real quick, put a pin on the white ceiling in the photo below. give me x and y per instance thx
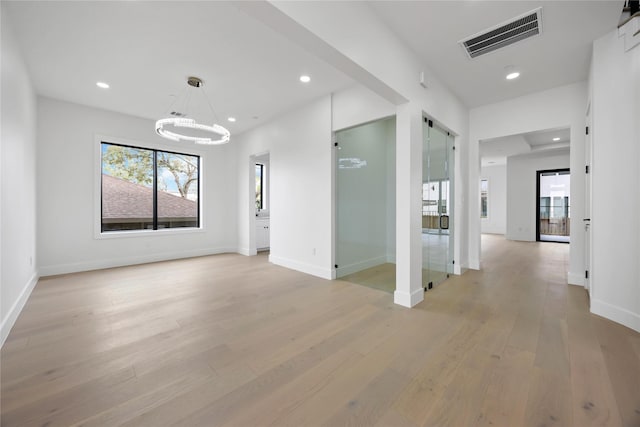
(559, 56)
(546, 137)
(495, 151)
(146, 50)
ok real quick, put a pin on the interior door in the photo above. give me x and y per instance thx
(437, 204)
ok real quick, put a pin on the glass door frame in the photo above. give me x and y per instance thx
(539, 174)
(431, 280)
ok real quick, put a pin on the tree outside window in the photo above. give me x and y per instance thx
(259, 186)
(148, 189)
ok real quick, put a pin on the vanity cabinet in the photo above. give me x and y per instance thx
(262, 234)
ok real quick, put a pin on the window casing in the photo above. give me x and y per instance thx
(148, 189)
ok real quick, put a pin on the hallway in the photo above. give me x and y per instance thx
(234, 340)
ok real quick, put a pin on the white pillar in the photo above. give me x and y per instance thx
(474, 203)
(409, 290)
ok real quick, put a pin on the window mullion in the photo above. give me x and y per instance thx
(155, 190)
(198, 192)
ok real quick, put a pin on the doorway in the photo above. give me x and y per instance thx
(365, 204)
(553, 213)
(261, 201)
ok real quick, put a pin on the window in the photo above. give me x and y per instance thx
(260, 187)
(484, 190)
(144, 189)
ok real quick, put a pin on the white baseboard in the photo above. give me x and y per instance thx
(246, 251)
(575, 279)
(51, 270)
(359, 266)
(314, 270)
(496, 231)
(474, 264)
(16, 308)
(409, 300)
(617, 314)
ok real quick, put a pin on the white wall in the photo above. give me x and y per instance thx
(521, 192)
(496, 221)
(391, 191)
(615, 103)
(564, 106)
(300, 149)
(68, 193)
(357, 105)
(18, 259)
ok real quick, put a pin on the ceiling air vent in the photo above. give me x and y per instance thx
(501, 35)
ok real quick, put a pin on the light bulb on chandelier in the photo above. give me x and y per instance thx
(180, 121)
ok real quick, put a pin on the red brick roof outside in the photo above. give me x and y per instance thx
(126, 200)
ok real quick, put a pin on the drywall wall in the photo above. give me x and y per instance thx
(496, 220)
(300, 151)
(521, 191)
(18, 259)
(391, 190)
(560, 107)
(615, 229)
(356, 105)
(69, 193)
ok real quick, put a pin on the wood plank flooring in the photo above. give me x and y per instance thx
(229, 340)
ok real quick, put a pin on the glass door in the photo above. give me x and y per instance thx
(554, 220)
(365, 205)
(437, 204)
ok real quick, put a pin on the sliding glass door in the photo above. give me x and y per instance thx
(554, 220)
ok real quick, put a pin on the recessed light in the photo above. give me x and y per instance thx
(556, 139)
(231, 119)
(102, 85)
(305, 79)
(511, 72)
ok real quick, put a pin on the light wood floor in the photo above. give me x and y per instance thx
(232, 340)
(381, 277)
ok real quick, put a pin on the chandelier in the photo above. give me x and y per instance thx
(180, 121)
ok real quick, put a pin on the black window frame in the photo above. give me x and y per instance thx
(155, 152)
(550, 172)
(261, 166)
